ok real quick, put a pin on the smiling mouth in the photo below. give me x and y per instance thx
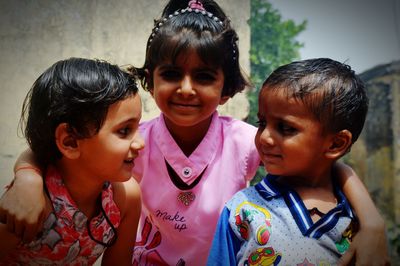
(129, 161)
(189, 105)
(271, 156)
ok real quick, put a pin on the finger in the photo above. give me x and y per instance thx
(346, 258)
(31, 230)
(29, 234)
(10, 224)
(7, 187)
(40, 225)
(3, 217)
(18, 229)
(42, 219)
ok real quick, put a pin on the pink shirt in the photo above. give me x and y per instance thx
(171, 232)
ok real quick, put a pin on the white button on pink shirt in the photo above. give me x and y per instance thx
(171, 232)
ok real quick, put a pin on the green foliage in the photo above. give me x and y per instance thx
(273, 44)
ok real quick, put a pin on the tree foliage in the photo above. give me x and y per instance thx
(273, 43)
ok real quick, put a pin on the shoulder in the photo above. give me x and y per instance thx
(249, 215)
(244, 195)
(238, 139)
(127, 195)
(146, 126)
(236, 132)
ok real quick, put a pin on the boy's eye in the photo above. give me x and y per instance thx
(285, 129)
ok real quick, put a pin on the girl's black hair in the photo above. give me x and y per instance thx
(75, 91)
(209, 33)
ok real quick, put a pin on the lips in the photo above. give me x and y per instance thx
(268, 157)
(185, 104)
(128, 161)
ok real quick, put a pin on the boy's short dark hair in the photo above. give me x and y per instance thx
(75, 91)
(330, 89)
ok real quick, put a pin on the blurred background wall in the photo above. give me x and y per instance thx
(363, 33)
(34, 34)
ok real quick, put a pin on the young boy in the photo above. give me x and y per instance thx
(310, 113)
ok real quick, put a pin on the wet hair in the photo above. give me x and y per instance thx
(75, 91)
(329, 89)
(182, 30)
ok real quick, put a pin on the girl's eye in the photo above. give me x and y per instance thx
(205, 77)
(124, 131)
(170, 75)
(261, 123)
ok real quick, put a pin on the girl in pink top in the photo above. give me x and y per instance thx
(195, 160)
(82, 118)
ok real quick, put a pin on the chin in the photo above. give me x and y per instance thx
(274, 171)
(125, 178)
(122, 176)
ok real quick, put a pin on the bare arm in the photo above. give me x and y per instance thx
(369, 247)
(22, 206)
(127, 197)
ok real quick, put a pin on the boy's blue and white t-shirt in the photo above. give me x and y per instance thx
(268, 224)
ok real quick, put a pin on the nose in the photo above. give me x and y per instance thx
(266, 137)
(187, 86)
(137, 143)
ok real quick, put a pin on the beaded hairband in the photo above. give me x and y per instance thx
(193, 6)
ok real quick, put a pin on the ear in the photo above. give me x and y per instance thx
(223, 100)
(339, 144)
(66, 142)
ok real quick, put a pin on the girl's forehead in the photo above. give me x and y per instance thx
(189, 59)
(183, 47)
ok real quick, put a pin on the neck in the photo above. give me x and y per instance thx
(83, 189)
(316, 192)
(188, 138)
(318, 176)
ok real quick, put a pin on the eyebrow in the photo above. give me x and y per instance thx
(127, 121)
(167, 66)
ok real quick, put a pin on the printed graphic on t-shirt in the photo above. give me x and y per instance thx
(145, 251)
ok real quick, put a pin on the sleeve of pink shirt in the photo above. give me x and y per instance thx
(242, 135)
(253, 159)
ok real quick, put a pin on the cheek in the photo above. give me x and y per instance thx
(159, 95)
(297, 148)
(117, 146)
(111, 145)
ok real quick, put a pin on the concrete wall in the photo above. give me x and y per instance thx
(376, 155)
(35, 34)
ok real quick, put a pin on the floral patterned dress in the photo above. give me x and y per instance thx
(65, 239)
